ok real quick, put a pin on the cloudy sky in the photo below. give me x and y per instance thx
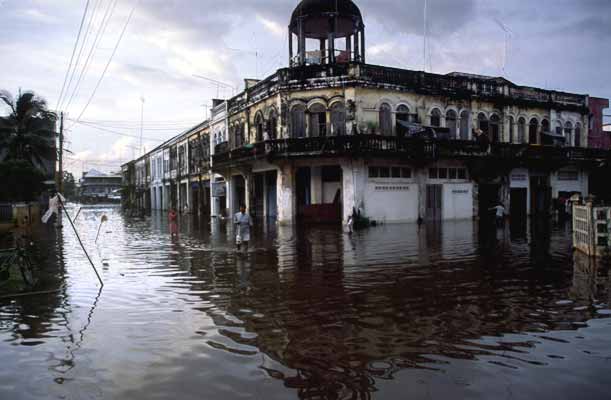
(555, 44)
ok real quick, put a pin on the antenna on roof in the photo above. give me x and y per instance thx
(508, 35)
(424, 35)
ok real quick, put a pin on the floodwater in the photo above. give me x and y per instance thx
(394, 312)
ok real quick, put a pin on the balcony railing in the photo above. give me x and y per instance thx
(406, 148)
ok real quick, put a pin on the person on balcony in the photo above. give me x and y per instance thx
(242, 223)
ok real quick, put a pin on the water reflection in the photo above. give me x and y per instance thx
(308, 313)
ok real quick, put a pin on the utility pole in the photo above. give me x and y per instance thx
(60, 175)
(141, 122)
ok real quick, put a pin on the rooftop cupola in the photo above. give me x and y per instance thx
(326, 32)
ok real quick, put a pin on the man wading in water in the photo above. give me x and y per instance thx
(242, 223)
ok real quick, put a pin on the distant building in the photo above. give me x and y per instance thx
(598, 138)
(98, 186)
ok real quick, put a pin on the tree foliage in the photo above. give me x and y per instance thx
(27, 132)
(21, 181)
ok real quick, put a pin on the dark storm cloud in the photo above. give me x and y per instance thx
(407, 16)
(209, 18)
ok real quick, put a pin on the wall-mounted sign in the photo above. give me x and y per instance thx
(219, 189)
(465, 191)
(519, 177)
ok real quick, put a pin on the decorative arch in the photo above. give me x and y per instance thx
(435, 117)
(317, 101)
(577, 134)
(297, 120)
(338, 118)
(402, 116)
(272, 123)
(533, 130)
(402, 103)
(259, 126)
(317, 115)
(568, 133)
(385, 119)
(452, 122)
(495, 128)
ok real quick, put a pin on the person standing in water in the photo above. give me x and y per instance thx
(172, 218)
(242, 223)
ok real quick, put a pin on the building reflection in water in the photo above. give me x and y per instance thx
(327, 314)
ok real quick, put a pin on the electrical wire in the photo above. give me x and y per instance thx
(80, 51)
(110, 9)
(78, 37)
(118, 133)
(114, 51)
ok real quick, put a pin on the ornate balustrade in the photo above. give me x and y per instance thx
(409, 149)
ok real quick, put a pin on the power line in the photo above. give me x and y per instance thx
(108, 64)
(78, 36)
(110, 9)
(115, 132)
(82, 46)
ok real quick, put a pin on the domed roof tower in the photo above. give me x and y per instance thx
(326, 32)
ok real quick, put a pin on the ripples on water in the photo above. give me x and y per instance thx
(444, 311)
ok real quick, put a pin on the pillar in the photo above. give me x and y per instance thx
(323, 51)
(357, 54)
(354, 182)
(290, 47)
(316, 185)
(363, 45)
(349, 47)
(302, 43)
(285, 195)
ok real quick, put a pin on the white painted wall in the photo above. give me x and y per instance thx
(457, 201)
(391, 201)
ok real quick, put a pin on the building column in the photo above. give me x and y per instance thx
(363, 45)
(354, 181)
(316, 185)
(286, 195)
(230, 194)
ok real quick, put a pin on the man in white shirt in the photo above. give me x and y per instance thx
(500, 214)
(242, 223)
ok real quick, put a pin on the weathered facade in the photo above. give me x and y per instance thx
(332, 136)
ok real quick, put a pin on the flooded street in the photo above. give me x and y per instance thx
(396, 311)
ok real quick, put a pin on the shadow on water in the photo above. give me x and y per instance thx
(453, 309)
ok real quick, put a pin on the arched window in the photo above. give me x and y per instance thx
(568, 134)
(482, 123)
(512, 130)
(298, 121)
(465, 116)
(533, 128)
(272, 125)
(402, 121)
(238, 132)
(545, 126)
(338, 119)
(385, 119)
(495, 128)
(318, 120)
(436, 118)
(578, 135)
(521, 131)
(259, 127)
(452, 123)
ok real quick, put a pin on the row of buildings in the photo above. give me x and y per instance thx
(331, 136)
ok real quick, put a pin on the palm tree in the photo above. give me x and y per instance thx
(27, 133)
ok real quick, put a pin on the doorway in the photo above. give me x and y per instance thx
(518, 208)
(540, 195)
(434, 204)
(271, 180)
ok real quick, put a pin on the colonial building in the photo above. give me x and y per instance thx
(98, 186)
(331, 136)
